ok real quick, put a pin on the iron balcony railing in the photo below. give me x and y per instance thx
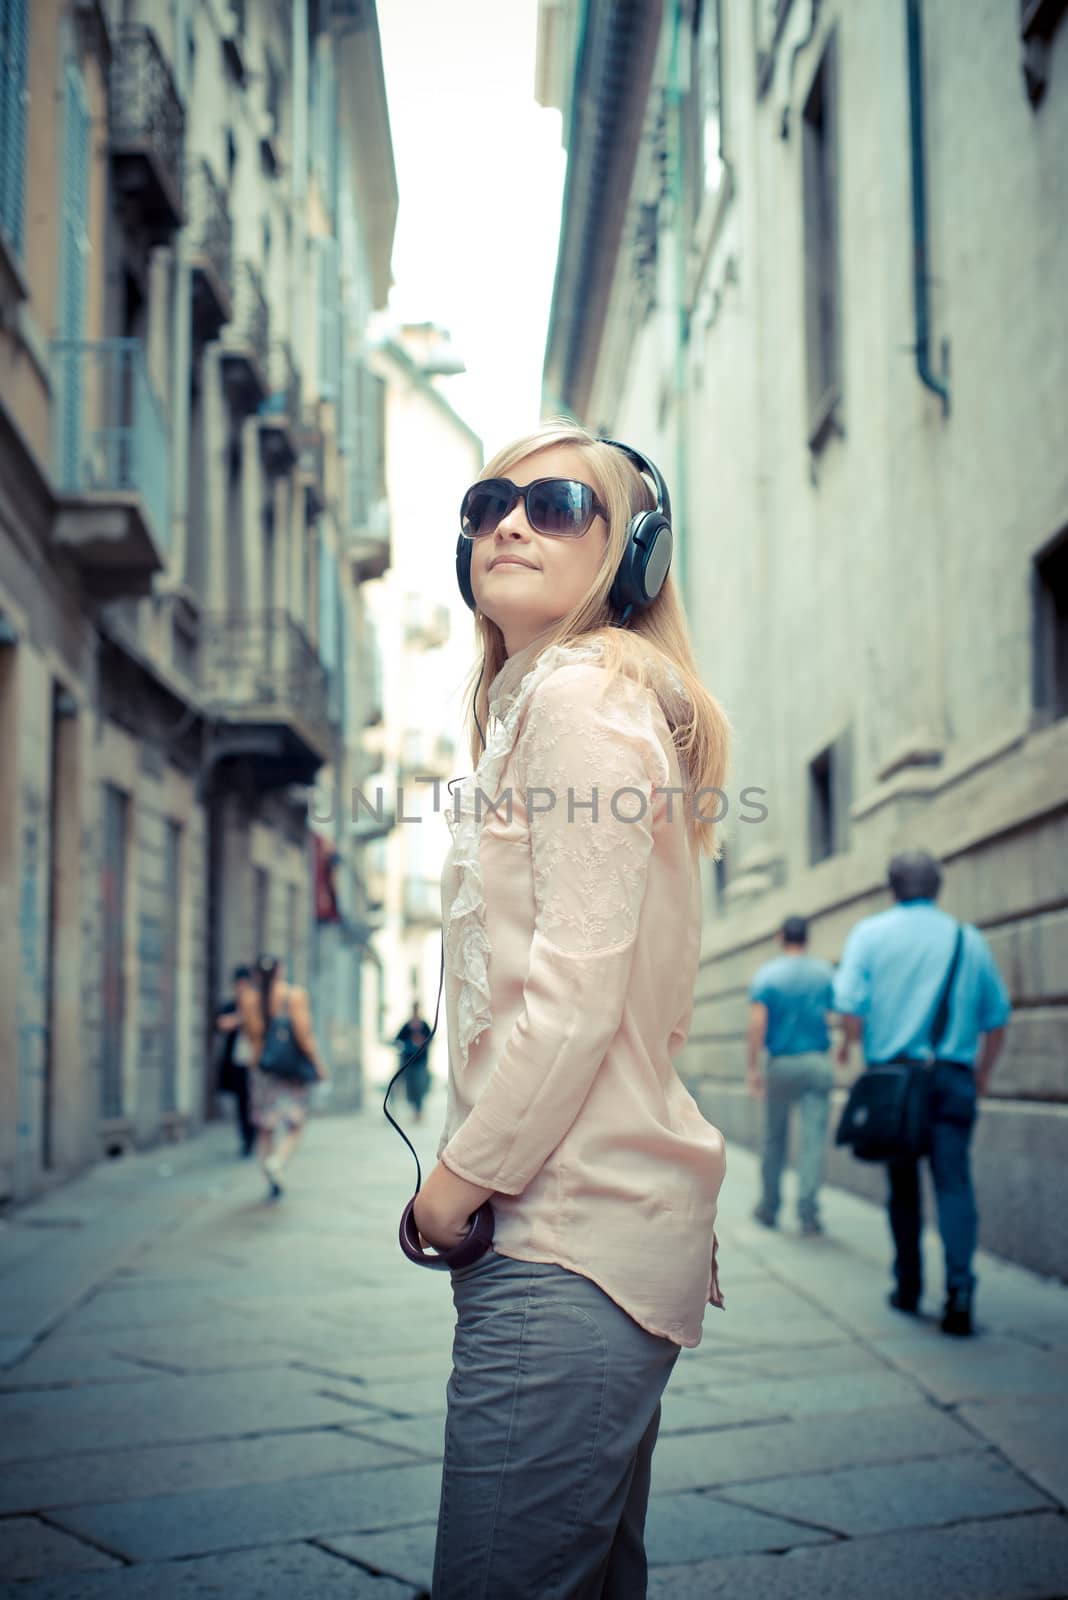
(110, 432)
(283, 401)
(250, 328)
(145, 112)
(210, 225)
(260, 666)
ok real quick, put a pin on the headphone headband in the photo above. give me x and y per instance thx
(651, 470)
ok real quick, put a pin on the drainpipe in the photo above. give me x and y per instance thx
(919, 210)
(182, 326)
(674, 133)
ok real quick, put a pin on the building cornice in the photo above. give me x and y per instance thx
(365, 118)
(614, 65)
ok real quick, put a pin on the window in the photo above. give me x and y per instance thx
(1050, 630)
(261, 910)
(1038, 23)
(14, 48)
(830, 784)
(819, 157)
(701, 119)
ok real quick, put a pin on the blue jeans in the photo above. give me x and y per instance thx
(953, 1113)
(805, 1081)
(554, 1406)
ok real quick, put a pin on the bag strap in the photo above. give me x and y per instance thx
(940, 1020)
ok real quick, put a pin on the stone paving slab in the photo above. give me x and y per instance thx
(906, 1494)
(816, 1444)
(169, 1469)
(166, 1410)
(280, 1572)
(996, 1365)
(1019, 1558)
(404, 1553)
(423, 1435)
(199, 1523)
(29, 1547)
(693, 1527)
(1033, 1434)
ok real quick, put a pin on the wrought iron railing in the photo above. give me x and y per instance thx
(250, 327)
(209, 223)
(144, 109)
(261, 666)
(109, 428)
(284, 399)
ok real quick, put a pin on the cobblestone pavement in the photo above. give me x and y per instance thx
(203, 1395)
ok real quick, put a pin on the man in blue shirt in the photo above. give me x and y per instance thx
(887, 987)
(791, 997)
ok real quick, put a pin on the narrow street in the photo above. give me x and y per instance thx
(204, 1395)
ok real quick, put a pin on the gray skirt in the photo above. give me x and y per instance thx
(553, 1411)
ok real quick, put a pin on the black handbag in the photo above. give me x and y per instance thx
(282, 1057)
(887, 1116)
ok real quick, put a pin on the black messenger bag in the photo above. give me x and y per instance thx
(887, 1116)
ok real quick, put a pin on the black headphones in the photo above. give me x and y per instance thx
(646, 556)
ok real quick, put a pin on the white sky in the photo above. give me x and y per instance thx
(480, 171)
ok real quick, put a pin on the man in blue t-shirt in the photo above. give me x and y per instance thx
(790, 998)
(887, 988)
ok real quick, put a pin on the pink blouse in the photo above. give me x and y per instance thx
(571, 902)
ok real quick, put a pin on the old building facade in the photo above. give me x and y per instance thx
(812, 260)
(428, 646)
(195, 226)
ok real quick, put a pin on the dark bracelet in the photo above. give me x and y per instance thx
(465, 1254)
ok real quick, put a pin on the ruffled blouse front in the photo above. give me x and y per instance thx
(571, 906)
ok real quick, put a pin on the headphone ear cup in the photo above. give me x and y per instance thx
(646, 559)
(463, 571)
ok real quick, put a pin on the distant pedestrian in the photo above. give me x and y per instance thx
(235, 1060)
(280, 1105)
(790, 998)
(411, 1038)
(892, 973)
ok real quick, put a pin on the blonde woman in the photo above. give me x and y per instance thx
(572, 927)
(271, 1006)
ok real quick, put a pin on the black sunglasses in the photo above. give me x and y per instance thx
(560, 507)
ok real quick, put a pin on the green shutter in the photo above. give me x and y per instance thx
(329, 326)
(14, 50)
(73, 269)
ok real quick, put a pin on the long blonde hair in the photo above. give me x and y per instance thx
(654, 634)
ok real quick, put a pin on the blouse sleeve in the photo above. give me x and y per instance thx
(589, 761)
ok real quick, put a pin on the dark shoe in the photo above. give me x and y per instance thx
(957, 1317)
(899, 1300)
(764, 1217)
(812, 1228)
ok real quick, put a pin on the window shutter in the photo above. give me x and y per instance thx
(14, 49)
(74, 266)
(327, 295)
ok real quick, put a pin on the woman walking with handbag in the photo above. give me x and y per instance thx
(276, 1018)
(572, 928)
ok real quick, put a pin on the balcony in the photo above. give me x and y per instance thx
(235, 47)
(146, 132)
(422, 902)
(368, 543)
(268, 692)
(281, 412)
(110, 465)
(426, 622)
(246, 345)
(211, 255)
(311, 470)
